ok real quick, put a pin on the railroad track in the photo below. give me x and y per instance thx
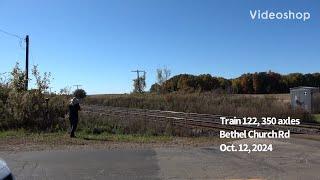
(192, 120)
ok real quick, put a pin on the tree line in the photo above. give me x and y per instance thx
(249, 83)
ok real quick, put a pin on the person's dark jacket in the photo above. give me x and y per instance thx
(73, 111)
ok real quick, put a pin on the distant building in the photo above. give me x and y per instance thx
(302, 97)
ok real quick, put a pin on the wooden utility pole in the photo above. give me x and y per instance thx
(77, 85)
(27, 63)
(138, 79)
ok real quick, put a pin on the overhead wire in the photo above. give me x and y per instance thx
(16, 36)
(11, 34)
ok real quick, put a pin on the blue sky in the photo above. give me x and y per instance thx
(97, 43)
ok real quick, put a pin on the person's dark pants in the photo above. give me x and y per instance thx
(74, 124)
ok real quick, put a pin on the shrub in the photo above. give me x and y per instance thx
(28, 109)
(80, 93)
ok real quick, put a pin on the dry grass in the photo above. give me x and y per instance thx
(94, 123)
(277, 105)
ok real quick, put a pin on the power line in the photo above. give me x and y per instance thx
(77, 85)
(14, 35)
(11, 34)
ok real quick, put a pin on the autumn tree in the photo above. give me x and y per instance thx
(249, 83)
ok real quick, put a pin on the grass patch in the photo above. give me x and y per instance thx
(31, 136)
(12, 134)
(24, 140)
(316, 118)
(50, 138)
(136, 138)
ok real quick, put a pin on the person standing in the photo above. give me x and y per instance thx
(74, 108)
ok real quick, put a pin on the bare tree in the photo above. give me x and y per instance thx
(42, 81)
(163, 75)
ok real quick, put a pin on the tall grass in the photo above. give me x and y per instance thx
(210, 103)
(96, 124)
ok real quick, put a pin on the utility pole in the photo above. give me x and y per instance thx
(27, 62)
(138, 78)
(77, 85)
(50, 88)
